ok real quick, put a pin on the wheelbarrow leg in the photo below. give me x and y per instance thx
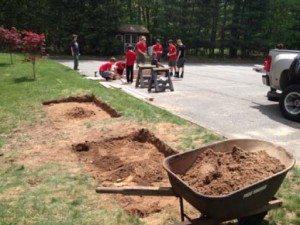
(259, 215)
(181, 209)
(252, 220)
(183, 216)
(199, 221)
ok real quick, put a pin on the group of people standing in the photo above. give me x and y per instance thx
(176, 59)
(176, 55)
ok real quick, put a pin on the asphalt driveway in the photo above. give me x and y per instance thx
(226, 98)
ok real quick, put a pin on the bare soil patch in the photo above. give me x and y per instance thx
(131, 160)
(115, 152)
(218, 173)
(85, 99)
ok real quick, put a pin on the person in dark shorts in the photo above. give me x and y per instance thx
(158, 50)
(120, 67)
(180, 60)
(105, 70)
(141, 51)
(172, 57)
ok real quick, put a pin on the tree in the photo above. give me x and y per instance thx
(10, 40)
(243, 26)
(33, 45)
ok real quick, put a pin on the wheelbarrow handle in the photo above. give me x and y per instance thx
(137, 190)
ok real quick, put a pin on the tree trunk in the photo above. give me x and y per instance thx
(223, 28)
(11, 58)
(33, 69)
(214, 28)
(234, 29)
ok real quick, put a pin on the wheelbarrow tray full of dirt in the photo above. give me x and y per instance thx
(238, 203)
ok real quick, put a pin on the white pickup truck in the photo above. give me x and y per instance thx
(282, 74)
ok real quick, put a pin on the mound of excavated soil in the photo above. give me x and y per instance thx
(217, 173)
(114, 152)
(78, 109)
(79, 112)
(74, 111)
(132, 160)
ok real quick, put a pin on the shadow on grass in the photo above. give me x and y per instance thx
(68, 69)
(4, 64)
(23, 79)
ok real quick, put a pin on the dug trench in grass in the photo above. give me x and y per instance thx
(115, 159)
(133, 160)
(39, 140)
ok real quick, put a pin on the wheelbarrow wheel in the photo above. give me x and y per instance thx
(252, 220)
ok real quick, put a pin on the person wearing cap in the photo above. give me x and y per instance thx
(172, 57)
(141, 50)
(158, 50)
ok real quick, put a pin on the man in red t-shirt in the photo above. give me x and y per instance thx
(141, 50)
(158, 50)
(105, 69)
(130, 58)
(172, 57)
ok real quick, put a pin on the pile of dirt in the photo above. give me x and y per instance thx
(90, 101)
(123, 162)
(71, 112)
(131, 160)
(79, 112)
(220, 173)
(85, 132)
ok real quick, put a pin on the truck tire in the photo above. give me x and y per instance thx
(289, 103)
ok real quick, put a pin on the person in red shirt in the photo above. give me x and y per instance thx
(130, 58)
(158, 50)
(120, 66)
(105, 69)
(141, 50)
(172, 57)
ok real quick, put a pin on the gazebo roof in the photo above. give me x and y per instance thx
(133, 28)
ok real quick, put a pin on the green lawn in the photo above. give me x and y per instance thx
(21, 96)
(61, 197)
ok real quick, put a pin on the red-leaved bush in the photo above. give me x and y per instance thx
(9, 40)
(33, 45)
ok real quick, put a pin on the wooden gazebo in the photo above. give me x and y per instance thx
(130, 33)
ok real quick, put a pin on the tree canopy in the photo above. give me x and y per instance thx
(232, 27)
